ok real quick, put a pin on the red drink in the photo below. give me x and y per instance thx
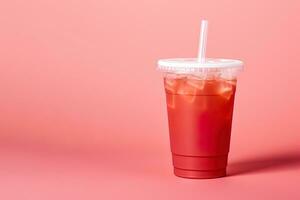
(200, 116)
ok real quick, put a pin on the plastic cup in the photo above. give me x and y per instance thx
(200, 101)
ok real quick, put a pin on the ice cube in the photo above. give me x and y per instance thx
(195, 84)
(170, 85)
(192, 88)
(181, 85)
(226, 89)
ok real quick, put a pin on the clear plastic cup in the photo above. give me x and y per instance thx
(200, 101)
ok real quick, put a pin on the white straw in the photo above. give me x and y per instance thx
(202, 41)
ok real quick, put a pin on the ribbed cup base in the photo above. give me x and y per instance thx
(199, 167)
(198, 174)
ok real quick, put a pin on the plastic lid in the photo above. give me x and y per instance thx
(193, 65)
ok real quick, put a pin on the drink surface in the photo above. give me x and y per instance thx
(200, 114)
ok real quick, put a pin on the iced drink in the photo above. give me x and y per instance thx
(200, 115)
(200, 96)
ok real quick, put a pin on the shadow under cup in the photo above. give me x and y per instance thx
(200, 110)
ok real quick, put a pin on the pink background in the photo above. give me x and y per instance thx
(82, 108)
